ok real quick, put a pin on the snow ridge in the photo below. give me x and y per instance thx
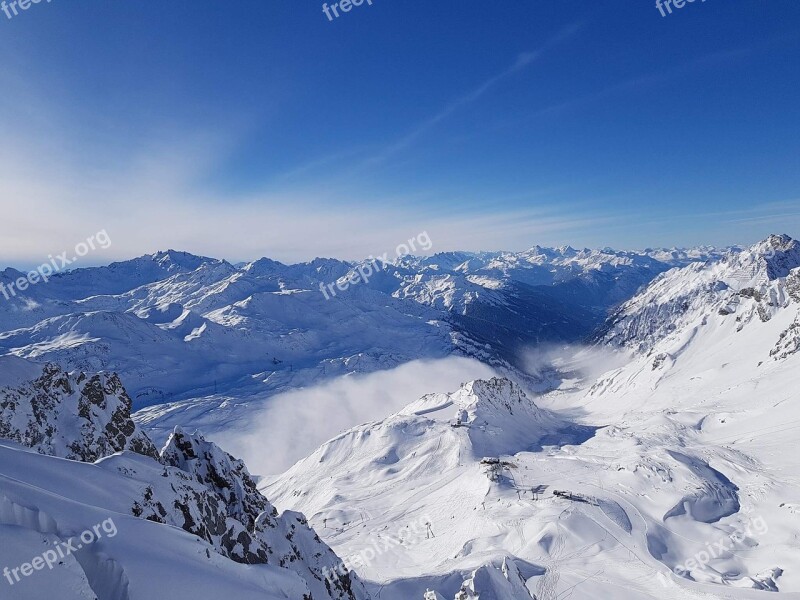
(191, 484)
(750, 285)
(75, 416)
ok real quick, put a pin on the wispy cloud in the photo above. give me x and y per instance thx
(151, 193)
(522, 61)
(626, 86)
(154, 202)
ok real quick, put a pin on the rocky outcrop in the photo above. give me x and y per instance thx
(71, 415)
(191, 484)
(788, 342)
(226, 476)
(212, 495)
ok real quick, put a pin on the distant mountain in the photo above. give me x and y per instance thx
(177, 326)
(755, 283)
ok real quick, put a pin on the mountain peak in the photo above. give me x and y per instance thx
(500, 418)
(176, 259)
(495, 582)
(497, 391)
(779, 239)
(772, 258)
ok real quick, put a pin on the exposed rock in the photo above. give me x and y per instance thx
(216, 499)
(192, 484)
(659, 360)
(788, 343)
(793, 285)
(750, 293)
(225, 475)
(72, 415)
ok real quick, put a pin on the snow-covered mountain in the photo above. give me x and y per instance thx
(665, 478)
(176, 326)
(191, 522)
(756, 283)
(438, 456)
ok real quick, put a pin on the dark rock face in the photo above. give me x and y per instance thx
(212, 495)
(781, 254)
(220, 472)
(793, 285)
(788, 342)
(72, 416)
(659, 360)
(750, 293)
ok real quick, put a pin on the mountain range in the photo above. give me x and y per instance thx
(630, 442)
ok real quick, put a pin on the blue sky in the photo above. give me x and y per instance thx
(259, 127)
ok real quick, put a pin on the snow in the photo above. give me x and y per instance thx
(177, 326)
(44, 500)
(656, 464)
(688, 454)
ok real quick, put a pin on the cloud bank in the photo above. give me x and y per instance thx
(294, 424)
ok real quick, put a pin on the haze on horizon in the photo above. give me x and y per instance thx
(215, 131)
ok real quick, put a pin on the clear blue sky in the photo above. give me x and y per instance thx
(259, 127)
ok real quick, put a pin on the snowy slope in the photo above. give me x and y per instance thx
(44, 501)
(671, 472)
(187, 522)
(430, 462)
